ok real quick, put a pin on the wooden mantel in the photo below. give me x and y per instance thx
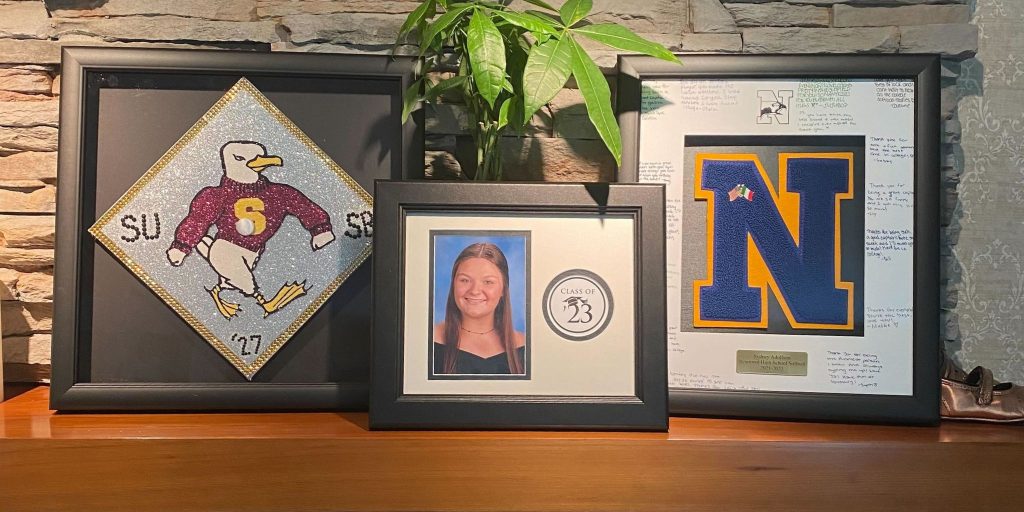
(330, 461)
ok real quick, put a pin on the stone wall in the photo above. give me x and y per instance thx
(560, 144)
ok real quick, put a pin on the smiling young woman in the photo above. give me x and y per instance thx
(478, 330)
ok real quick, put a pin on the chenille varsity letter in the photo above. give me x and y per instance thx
(787, 241)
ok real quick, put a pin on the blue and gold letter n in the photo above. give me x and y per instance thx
(787, 241)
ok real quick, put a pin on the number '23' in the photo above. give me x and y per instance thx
(580, 312)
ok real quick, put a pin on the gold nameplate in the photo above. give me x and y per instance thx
(764, 362)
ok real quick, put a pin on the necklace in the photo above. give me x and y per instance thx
(474, 332)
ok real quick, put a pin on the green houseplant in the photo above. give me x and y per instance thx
(507, 64)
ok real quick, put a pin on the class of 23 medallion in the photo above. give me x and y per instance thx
(578, 305)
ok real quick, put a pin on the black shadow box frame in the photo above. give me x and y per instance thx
(920, 407)
(116, 345)
(391, 408)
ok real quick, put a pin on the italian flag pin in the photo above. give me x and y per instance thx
(741, 191)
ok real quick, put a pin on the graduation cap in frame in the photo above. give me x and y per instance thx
(240, 227)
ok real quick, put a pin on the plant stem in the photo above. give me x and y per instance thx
(488, 153)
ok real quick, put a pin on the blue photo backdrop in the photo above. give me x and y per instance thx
(513, 245)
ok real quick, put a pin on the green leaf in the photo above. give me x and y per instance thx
(545, 17)
(515, 114)
(444, 86)
(441, 23)
(486, 56)
(531, 23)
(411, 99)
(516, 54)
(541, 3)
(464, 66)
(547, 69)
(503, 113)
(415, 17)
(622, 38)
(507, 86)
(574, 10)
(598, 98)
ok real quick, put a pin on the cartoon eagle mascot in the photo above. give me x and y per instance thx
(247, 209)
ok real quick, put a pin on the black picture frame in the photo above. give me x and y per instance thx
(920, 407)
(392, 408)
(349, 105)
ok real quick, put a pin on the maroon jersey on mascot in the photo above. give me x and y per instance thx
(231, 201)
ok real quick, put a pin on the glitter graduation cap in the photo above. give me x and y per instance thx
(240, 227)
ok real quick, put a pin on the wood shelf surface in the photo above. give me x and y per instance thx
(330, 461)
